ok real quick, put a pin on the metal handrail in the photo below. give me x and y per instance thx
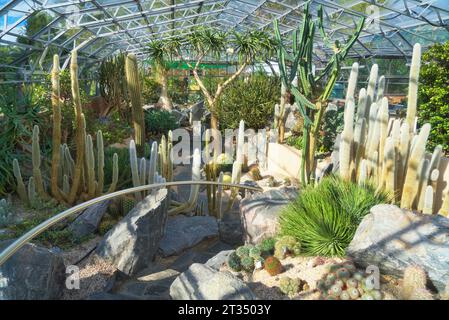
(20, 242)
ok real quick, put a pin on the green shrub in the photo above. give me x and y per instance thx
(294, 141)
(333, 121)
(324, 218)
(433, 106)
(159, 121)
(252, 101)
(151, 90)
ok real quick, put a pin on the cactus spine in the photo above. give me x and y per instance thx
(132, 79)
(413, 87)
(56, 143)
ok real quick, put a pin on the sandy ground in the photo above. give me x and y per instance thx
(265, 286)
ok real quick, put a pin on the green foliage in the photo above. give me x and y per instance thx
(233, 262)
(151, 90)
(332, 125)
(242, 251)
(267, 247)
(251, 100)
(114, 129)
(294, 141)
(124, 177)
(324, 218)
(158, 121)
(433, 93)
(6, 213)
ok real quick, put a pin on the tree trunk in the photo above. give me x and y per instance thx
(164, 98)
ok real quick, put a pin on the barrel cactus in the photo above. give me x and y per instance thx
(273, 266)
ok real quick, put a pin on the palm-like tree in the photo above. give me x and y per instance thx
(247, 47)
(159, 53)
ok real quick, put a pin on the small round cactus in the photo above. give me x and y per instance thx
(286, 245)
(289, 286)
(367, 296)
(377, 295)
(254, 252)
(353, 293)
(242, 251)
(345, 295)
(266, 247)
(273, 266)
(247, 263)
(352, 283)
(335, 290)
(234, 262)
(343, 273)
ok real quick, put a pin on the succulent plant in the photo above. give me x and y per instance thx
(286, 245)
(273, 266)
(344, 282)
(233, 262)
(267, 247)
(414, 284)
(254, 252)
(242, 251)
(247, 263)
(289, 286)
(6, 215)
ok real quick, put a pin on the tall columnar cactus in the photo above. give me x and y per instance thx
(132, 79)
(412, 100)
(80, 124)
(36, 157)
(390, 152)
(411, 183)
(21, 190)
(100, 164)
(310, 98)
(134, 168)
(56, 143)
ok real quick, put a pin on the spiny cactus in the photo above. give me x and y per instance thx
(247, 263)
(289, 286)
(273, 266)
(133, 84)
(233, 262)
(390, 152)
(6, 213)
(19, 180)
(414, 284)
(267, 247)
(286, 245)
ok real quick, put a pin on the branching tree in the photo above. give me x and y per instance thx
(204, 43)
(159, 53)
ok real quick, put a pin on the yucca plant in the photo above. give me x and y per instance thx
(206, 43)
(324, 217)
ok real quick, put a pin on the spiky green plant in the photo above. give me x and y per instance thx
(324, 218)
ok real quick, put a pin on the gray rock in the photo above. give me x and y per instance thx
(217, 261)
(87, 222)
(201, 282)
(260, 212)
(32, 273)
(132, 244)
(184, 232)
(231, 229)
(392, 239)
(181, 117)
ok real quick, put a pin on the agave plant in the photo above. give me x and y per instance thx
(324, 218)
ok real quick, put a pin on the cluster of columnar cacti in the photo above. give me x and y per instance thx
(214, 172)
(414, 285)
(344, 282)
(6, 213)
(134, 91)
(390, 152)
(71, 179)
(310, 96)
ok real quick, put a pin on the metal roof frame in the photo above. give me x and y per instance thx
(103, 27)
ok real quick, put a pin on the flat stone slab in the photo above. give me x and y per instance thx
(87, 222)
(393, 239)
(184, 232)
(201, 282)
(132, 244)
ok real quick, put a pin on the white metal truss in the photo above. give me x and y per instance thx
(100, 28)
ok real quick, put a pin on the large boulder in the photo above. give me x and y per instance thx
(32, 273)
(132, 244)
(185, 232)
(392, 239)
(260, 212)
(87, 222)
(201, 282)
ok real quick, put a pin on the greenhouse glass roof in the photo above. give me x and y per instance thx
(100, 28)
